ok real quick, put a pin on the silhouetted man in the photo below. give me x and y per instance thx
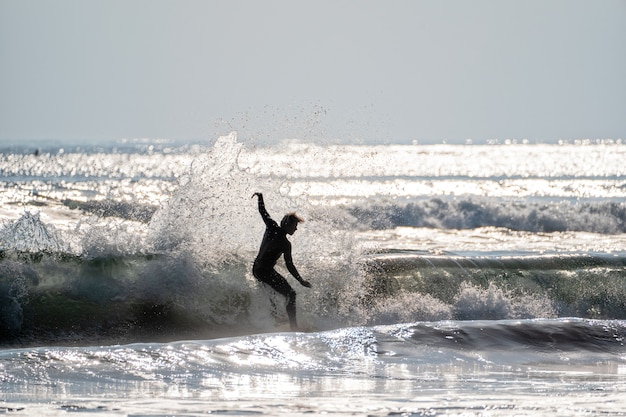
(274, 244)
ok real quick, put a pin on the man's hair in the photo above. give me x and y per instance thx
(290, 218)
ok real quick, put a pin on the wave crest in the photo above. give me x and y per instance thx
(606, 217)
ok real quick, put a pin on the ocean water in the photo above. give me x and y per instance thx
(462, 280)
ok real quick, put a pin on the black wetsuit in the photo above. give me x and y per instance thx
(274, 244)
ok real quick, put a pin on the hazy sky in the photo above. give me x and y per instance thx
(381, 71)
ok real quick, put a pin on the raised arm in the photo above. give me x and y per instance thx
(264, 214)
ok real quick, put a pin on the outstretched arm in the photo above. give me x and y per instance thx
(292, 268)
(264, 214)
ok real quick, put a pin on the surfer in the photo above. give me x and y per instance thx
(275, 244)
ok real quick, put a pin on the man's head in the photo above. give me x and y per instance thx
(289, 223)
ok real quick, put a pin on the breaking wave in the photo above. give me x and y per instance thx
(181, 268)
(607, 217)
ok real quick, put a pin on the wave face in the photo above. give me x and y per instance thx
(127, 298)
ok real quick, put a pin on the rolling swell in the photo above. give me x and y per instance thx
(360, 352)
(561, 335)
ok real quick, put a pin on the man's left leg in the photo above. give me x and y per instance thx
(280, 284)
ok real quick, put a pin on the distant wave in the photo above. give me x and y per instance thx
(126, 146)
(607, 217)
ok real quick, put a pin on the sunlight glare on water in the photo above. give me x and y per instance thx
(473, 161)
(480, 280)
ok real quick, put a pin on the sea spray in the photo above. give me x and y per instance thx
(209, 213)
(407, 307)
(15, 279)
(30, 234)
(188, 268)
(494, 303)
(212, 219)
